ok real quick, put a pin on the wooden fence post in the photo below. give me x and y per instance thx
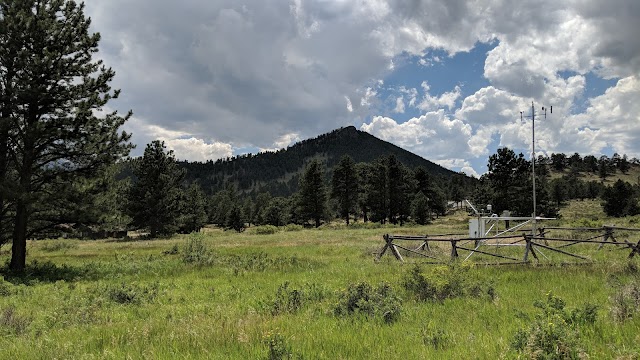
(527, 249)
(454, 250)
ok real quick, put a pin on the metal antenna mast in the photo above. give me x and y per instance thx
(533, 157)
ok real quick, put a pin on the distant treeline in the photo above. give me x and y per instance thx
(559, 178)
(156, 194)
(279, 172)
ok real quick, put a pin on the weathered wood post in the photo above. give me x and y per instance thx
(454, 250)
(608, 234)
(425, 244)
(541, 233)
(527, 249)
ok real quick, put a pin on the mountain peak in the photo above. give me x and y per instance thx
(278, 172)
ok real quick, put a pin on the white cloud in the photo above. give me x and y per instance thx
(185, 146)
(193, 149)
(349, 105)
(246, 73)
(283, 142)
(399, 105)
(610, 120)
(458, 165)
(447, 99)
(433, 135)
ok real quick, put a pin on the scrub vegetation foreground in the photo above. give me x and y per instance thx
(310, 294)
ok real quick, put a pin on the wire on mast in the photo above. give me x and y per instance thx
(533, 158)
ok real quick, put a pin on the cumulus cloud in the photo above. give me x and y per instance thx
(447, 99)
(210, 76)
(185, 146)
(433, 135)
(283, 142)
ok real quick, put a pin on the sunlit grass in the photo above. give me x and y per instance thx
(140, 299)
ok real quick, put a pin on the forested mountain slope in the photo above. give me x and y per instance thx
(278, 172)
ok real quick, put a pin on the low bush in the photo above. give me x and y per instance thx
(293, 227)
(554, 331)
(436, 338)
(289, 299)
(196, 251)
(362, 299)
(445, 282)
(278, 347)
(265, 230)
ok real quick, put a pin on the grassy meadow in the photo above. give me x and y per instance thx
(314, 294)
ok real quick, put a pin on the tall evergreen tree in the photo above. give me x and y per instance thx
(420, 209)
(344, 187)
(620, 199)
(510, 177)
(276, 212)
(378, 191)
(155, 196)
(262, 201)
(313, 194)
(194, 209)
(235, 218)
(50, 93)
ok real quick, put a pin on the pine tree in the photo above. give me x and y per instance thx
(51, 91)
(620, 199)
(377, 196)
(194, 209)
(344, 187)
(313, 194)
(235, 219)
(420, 209)
(276, 212)
(155, 196)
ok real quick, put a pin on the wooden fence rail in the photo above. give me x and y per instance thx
(532, 244)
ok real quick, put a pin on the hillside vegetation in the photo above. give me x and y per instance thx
(279, 172)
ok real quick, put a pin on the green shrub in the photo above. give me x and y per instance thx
(363, 299)
(278, 347)
(445, 282)
(196, 251)
(265, 230)
(293, 227)
(553, 333)
(437, 338)
(290, 300)
(287, 300)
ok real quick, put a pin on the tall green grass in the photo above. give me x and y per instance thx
(227, 295)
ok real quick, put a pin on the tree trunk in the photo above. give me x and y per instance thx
(19, 248)
(3, 172)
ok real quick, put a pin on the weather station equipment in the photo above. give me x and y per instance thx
(485, 227)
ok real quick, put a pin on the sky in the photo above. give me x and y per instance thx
(447, 80)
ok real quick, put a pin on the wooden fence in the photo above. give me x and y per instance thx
(532, 245)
